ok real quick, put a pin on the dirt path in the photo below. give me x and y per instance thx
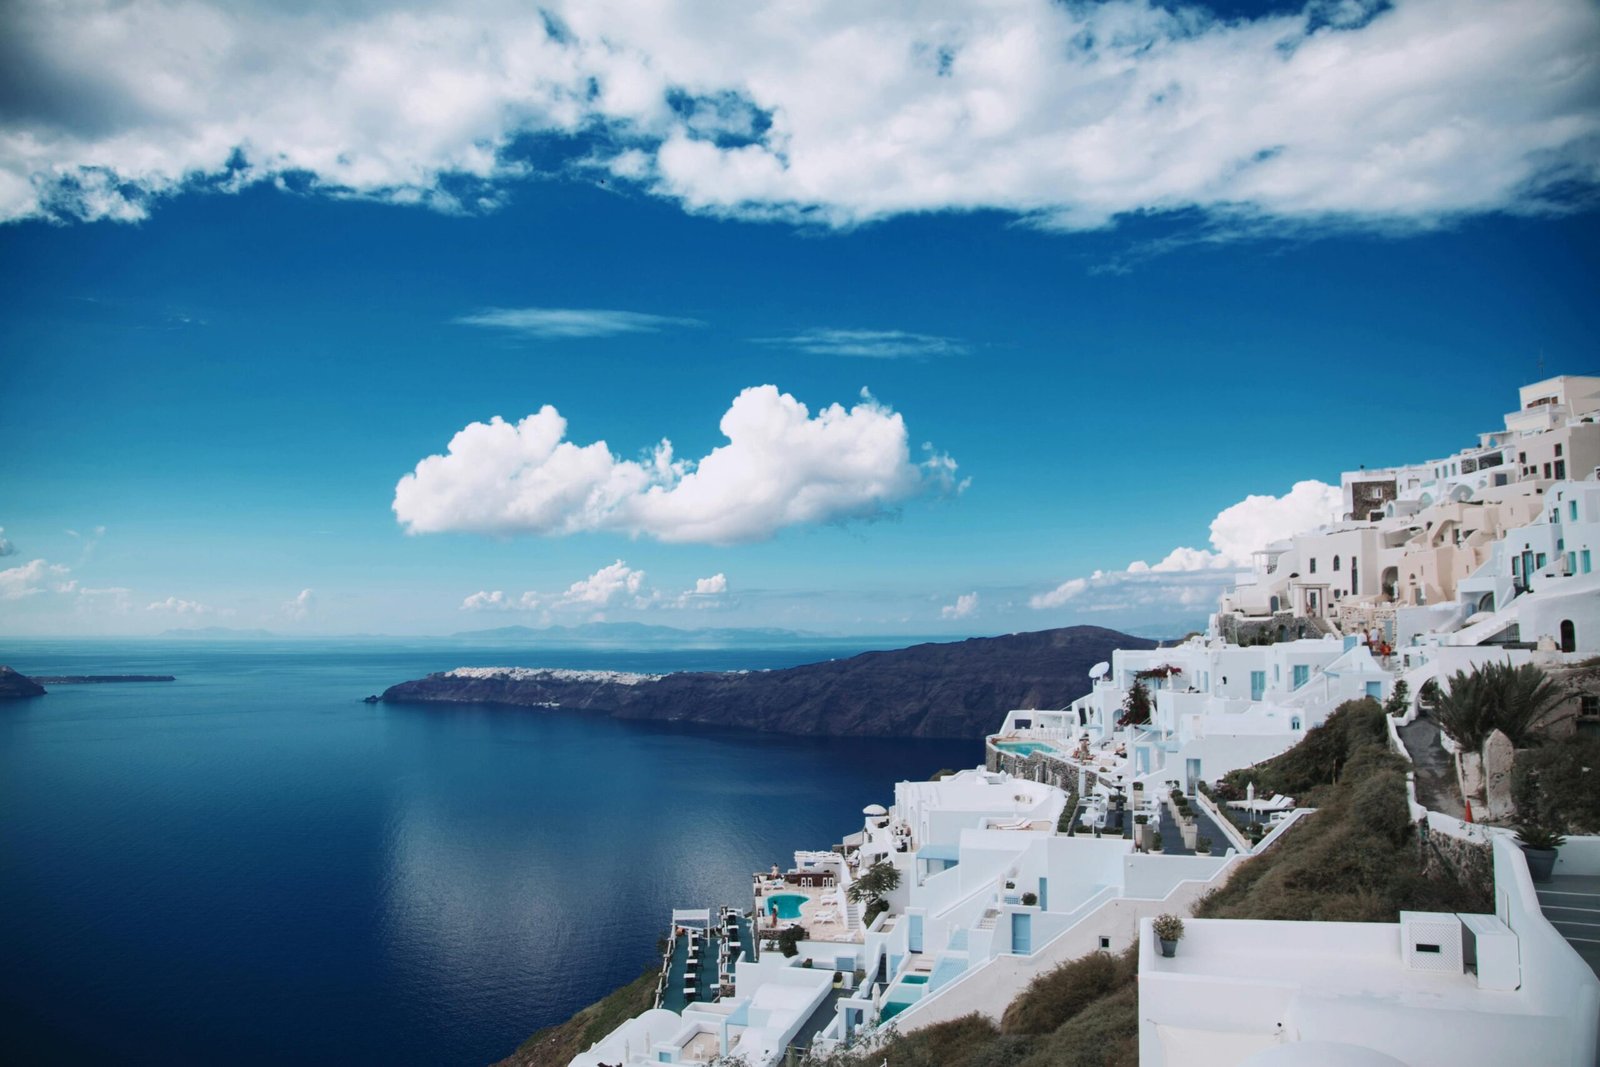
(1436, 776)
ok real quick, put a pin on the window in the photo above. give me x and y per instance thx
(1516, 566)
(1583, 561)
(1547, 470)
(1561, 468)
(1313, 565)
(1558, 451)
(1572, 563)
(1522, 457)
(1294, 723)
(1572, 510)
(1302, 675)
(1258, 684)
(1538, 560)
(1335, 562)
(1589, 706)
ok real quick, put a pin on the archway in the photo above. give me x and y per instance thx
(1569, 636)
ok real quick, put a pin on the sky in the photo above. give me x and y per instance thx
(935, 318)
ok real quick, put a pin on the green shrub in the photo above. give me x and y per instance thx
(789, 939)
(1558, 785)
(1057, 995)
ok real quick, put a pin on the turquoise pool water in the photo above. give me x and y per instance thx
(915, 979)
(786, 905)
(1025, 748)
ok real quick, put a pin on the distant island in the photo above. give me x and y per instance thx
(944, 690)
(15, 685)
(95, 679)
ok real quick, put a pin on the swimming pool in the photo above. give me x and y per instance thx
(1025, 748)
(786, 905)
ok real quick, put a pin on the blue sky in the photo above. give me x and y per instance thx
(218, 367)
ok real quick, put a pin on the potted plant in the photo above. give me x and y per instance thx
(1155, 841)
(1169, 931)
(1202, 846)
(1539, 844)
(1030, 899)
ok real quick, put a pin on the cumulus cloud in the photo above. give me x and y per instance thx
(483, 600)
(1252, 524)
(301, 607)
(176, 606)
(606, 587)
(870, 344)
(6, 547)
(1188, 577)
(716, 585)
(569, 323)
(781, 467)
(612, 586)
(1067, 115)
(965, 605)
(35, 577)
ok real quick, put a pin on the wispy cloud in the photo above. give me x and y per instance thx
(6, 547)
(869, 344)
(565, 323)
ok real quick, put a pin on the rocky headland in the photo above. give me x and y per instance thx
(14, 685)
(938, 690)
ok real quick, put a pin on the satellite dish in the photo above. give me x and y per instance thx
(1100, 670)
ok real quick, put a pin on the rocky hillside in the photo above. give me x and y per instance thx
(954, 690)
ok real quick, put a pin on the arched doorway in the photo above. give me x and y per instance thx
(1569, 636)
(1486, 602)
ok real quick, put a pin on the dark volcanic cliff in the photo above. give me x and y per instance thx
(956, 690)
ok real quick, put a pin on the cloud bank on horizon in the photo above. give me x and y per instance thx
(782, 466)
(1066, 114)
(615, 585)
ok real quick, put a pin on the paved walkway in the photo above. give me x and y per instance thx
(1435, 773)
(1172, 837)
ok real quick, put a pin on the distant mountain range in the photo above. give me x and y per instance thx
(218, 633)
(958, 689)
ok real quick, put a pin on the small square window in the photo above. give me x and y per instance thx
(1105, 942)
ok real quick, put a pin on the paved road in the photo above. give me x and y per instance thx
(1436, 776)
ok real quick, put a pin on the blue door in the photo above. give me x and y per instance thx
(1375, 690)
(914, 933)
(1044, 894)
(1021, 933)
(1258, 684)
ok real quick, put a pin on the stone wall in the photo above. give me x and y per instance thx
(1467, 862)
(1249, 629)
(1035, 768)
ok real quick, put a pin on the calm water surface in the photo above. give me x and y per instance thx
(249, 864)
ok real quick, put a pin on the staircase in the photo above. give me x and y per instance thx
(1572, 904)
(852, 915)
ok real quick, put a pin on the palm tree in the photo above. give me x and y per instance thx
(1496, 696)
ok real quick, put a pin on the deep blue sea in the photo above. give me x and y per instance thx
(250, 865)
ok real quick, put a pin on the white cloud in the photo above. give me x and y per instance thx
(1065, 114)
(1190, 577)
(871, 344)
(612, 584)
(35, 577)
(716, 585)
(301, 607)
(781, 467)
(1252, 524)
(965, 605)
(177, 606)
(567, 323)
(6, 547)
(615, 585)
(1058, 596)
(483, 600)
(116, 599)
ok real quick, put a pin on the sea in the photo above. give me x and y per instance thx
(250, 865)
